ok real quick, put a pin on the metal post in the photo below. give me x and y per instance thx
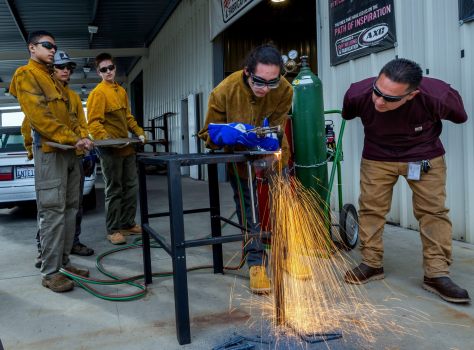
(250, 184)
(215, 214)
(180, 280)
(144, 220)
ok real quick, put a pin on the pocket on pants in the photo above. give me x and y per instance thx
(48, 193)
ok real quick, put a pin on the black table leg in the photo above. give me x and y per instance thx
(144, 221)
(215, 214)
(180, 280)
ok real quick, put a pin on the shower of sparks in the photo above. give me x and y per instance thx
(309, 295)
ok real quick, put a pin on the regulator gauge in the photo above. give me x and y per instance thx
(284, 58)
(293, 54)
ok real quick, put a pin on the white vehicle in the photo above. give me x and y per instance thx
(17, 173)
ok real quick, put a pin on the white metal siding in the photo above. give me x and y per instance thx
(429, 33)
(179, 64)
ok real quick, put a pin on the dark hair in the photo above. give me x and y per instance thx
(266, 54)
(401, 70)
(104, 56)
(33, 37)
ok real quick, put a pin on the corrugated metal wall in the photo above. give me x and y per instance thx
(428, 31)
(179, 64)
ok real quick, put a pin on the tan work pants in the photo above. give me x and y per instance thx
(429, 194)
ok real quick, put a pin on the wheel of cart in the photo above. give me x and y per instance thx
(348, 225)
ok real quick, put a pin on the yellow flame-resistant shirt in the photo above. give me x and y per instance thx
(76, 114)
(233, 101)
(45, 103)
(109, 116)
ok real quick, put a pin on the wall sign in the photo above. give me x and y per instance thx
(222, 13)
(360, 27)
(466, 10)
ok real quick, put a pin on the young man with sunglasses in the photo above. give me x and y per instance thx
(109, 117)
(249, 96)
(44, 101)
(63, 68)
(401, 112)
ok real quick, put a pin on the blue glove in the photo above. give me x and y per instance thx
(232, 134)
(270, 141)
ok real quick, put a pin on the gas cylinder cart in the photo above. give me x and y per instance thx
(348, 219)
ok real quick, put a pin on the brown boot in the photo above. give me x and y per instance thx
(77, 271)
(363, 274)
(58, 283)
(116, 238)
(446, 289)
(134, 230)
(259, 282)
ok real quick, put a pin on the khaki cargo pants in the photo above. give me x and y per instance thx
(429, 195)
(57, 180)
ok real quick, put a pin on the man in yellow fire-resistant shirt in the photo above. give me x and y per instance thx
(45, 104)
(109, 116)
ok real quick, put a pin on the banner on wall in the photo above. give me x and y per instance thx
(360, 27)
(466, 10)
(222, 13)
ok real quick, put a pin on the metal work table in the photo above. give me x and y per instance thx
(177, 248)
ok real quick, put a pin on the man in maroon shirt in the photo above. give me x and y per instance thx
(401, 112)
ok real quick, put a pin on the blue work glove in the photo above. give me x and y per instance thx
(232, 134)
(270, 141)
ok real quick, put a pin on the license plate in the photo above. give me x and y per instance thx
(25, 172)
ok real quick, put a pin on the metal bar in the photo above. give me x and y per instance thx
(165, 129)
(189, 211)
(339, 185)
(144, 222)
(180, 279)
(215, 214)
(160, 239)
(17, 19)
(250, 184)
(218, 240)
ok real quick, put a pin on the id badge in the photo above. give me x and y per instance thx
(414, 171)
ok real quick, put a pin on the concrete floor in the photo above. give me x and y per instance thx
(32, 317)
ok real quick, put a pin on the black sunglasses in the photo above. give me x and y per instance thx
(47, 45)
(105, 69)
(63, 66)
(388, 98)
(261, 83)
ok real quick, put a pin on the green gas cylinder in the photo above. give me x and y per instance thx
(309, 137)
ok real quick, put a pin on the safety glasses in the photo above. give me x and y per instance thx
(388, 98)
(47, 45)
(261, 83)
(63, 66)
(105, 69)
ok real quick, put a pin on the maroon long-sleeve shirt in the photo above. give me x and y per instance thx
(410, 132)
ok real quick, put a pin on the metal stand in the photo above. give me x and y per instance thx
(177, 248)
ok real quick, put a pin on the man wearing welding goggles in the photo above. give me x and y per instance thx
(401, 112)
(242, 103)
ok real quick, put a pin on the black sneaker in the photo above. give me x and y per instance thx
(363, 274)
(446, 289)
(81, 249)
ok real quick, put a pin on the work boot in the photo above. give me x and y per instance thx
(116, 238)
(259, 282)
(58, 283)
(134, 230)
(81, 249)
(363, 274)
(446, 289)
(297, 268)
(38, 260)
(77, 271)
